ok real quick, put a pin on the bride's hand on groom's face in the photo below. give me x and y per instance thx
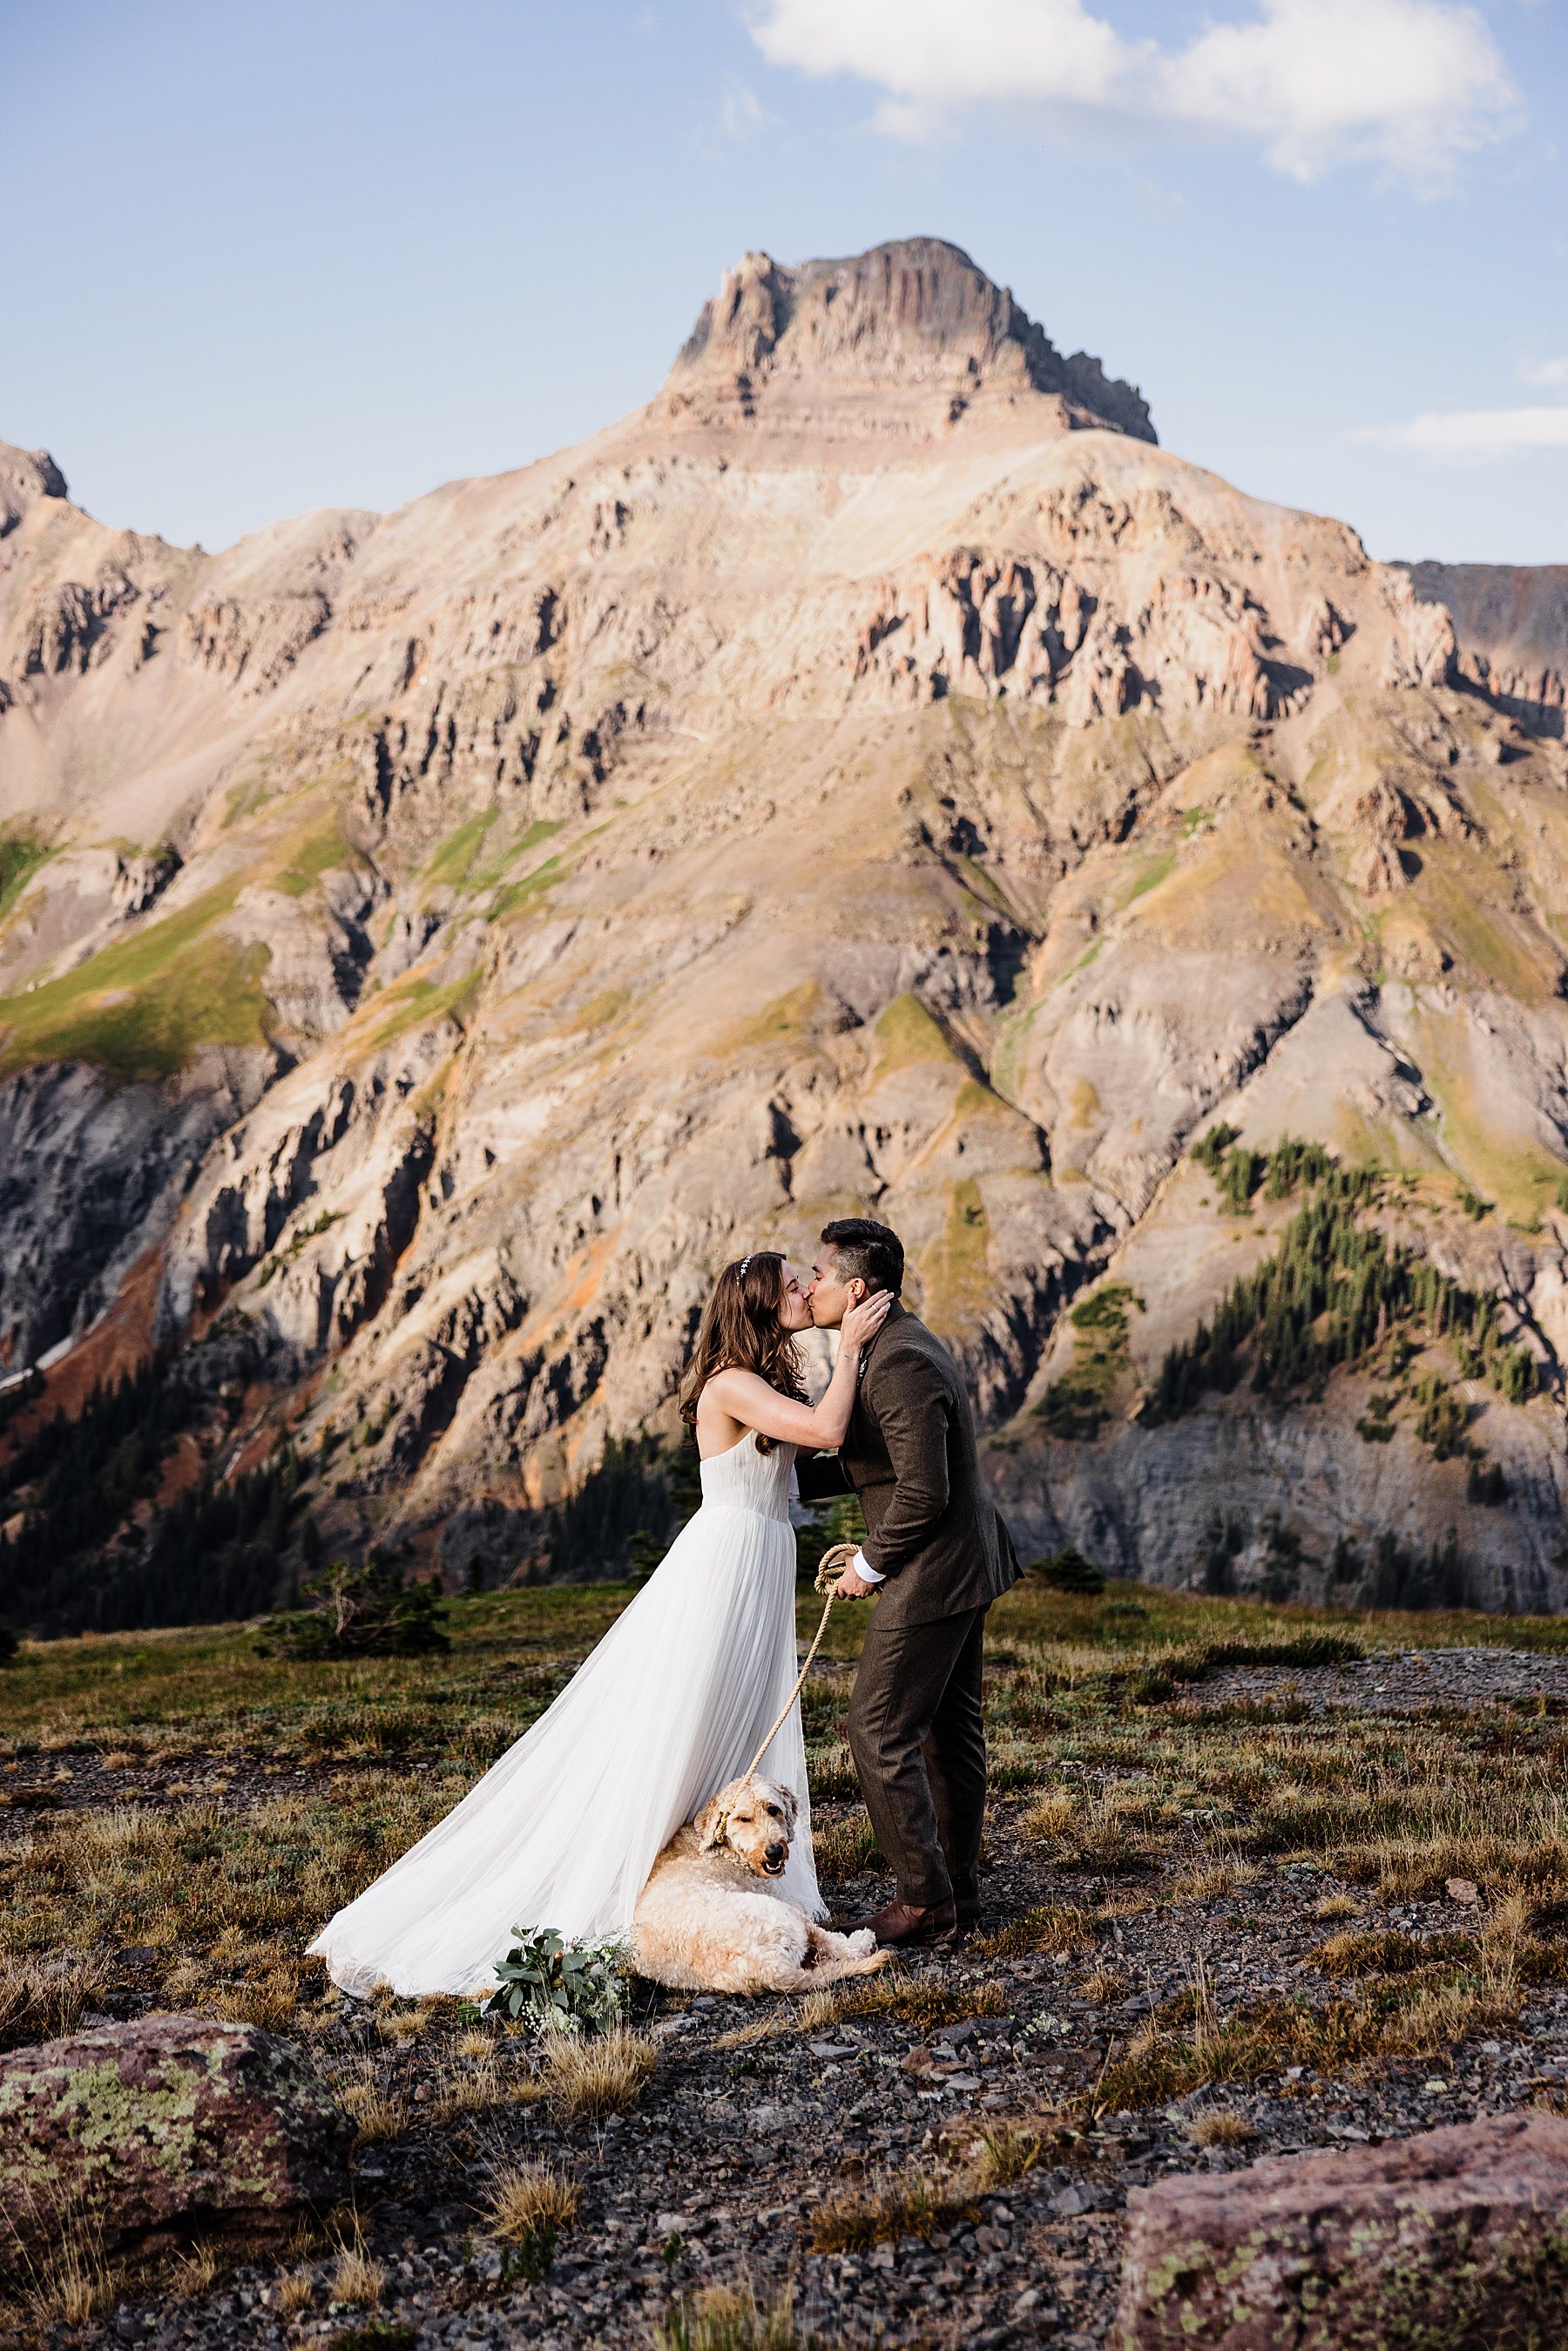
(864, 1320)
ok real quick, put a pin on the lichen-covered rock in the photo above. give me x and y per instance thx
(1447, 2237)
(170, 2120)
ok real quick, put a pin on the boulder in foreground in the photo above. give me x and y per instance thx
(166, 2123)
(1457, 2234)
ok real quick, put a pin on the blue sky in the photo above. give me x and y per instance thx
(285, 255)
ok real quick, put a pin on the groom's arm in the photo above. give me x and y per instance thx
(819, 1476)
(912, 1408)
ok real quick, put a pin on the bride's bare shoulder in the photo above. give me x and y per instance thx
(715, 1422)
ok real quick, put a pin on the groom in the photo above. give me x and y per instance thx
(939, 1553)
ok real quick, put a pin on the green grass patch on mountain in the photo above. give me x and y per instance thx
(1150, 874)
(517, 895)
(412, 1004)
(22, 852)
(1078, 1405)
(1009, 1058)
(1509, 1168)
(493, 872)
(1387, 1142)
(790, 1018)
(308, 855)
(601, 1009)
(955, 1277)
(245, 798)
(140, 1008)
(906, 1033)
(1494, 944)
(974, 1098)
(450, 865)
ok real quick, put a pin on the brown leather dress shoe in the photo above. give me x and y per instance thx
(901, 1925)
(968, 1917)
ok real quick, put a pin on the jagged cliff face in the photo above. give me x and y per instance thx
(1512, 625)
(873, 775)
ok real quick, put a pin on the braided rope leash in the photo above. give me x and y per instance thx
(831, 1567)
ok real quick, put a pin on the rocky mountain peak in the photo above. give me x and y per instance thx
(25, 474)
(905, 341)
(428, 946)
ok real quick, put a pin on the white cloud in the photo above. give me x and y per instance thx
(1407, 83)
(1548, 375)
(1476, 432)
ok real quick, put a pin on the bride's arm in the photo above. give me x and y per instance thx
(750, 1401)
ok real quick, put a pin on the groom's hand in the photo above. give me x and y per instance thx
(851, 1586)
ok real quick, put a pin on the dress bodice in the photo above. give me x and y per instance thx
(744, 1479)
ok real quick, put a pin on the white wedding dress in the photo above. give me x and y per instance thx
(564, 1830)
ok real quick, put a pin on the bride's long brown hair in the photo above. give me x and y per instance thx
(741, 1331)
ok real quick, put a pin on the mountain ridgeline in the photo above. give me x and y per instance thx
(876, 775)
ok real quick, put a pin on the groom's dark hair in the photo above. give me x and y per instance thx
(866, 1251)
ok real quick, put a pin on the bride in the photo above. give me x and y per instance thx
(564, 1830)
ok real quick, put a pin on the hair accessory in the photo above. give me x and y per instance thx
(744, 1263)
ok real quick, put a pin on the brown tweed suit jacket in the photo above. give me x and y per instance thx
(909, 1454)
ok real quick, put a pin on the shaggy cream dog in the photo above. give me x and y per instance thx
(707, 1921)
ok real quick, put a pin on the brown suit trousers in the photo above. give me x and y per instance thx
(916, 1728)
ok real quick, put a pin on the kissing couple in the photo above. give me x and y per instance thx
(564, 1831)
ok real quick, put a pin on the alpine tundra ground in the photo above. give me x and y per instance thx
(1260, 1879)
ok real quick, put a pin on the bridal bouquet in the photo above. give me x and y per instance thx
(560, 1987)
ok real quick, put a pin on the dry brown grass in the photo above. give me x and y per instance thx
(818, 2010)
(1122, 1827)
(1443, 2014)
(1191, 2043)
(1007, 2153)
(1048, 1928)
(196, 2270)
(1223, 2128)
(295, 2291)
(1216, 1883)
(531, 2200)
(1411, 1866)
(831, 1773)
(1103, 1986)
(922, 2001)
(476, 2089)
(913, 2202)
(271, 2000)
(601, 2075)
(844, 1850)
(910, 2202)
(728, 2318)
(357, 2279)
(79, 2293)
(1388, 1952)
(1050, 1815)
(377, 2110)
(1336, 1906)
(70, 2282)
(45, 1999)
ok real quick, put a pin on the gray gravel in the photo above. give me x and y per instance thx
(1398, 1681)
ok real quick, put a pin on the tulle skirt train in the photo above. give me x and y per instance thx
(564, 1830)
